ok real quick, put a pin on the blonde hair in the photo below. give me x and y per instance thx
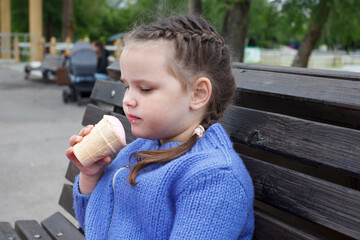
(198, 51)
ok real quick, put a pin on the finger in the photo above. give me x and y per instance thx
(103, 162)
(71, 156)
(74, 139)
(90, 126)
(86, 130)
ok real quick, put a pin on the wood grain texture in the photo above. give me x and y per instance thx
(322, 202)
(341, 75)
(66, 200)
(59, 228)
(93, 114)
(30, 230)
(300, 108)
(71, 172)
(307, 141)
(269, 228)
(114, 70)
(109, 92)
(329, 91)
(7, 232)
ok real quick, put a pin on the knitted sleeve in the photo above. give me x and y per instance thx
(80, 203)
(212, 205)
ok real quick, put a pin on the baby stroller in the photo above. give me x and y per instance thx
(82, 66)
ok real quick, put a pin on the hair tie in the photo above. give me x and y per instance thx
(199, 131)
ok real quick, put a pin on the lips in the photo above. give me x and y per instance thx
(132, 118)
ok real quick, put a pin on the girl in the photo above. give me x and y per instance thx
(181, 179)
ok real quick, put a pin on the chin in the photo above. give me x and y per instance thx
(139, 134)
(144, 133)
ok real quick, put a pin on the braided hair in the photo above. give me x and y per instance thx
(198, 51)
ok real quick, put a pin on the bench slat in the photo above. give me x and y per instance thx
(296, 138)
(93, 114)
(110, 92)
(323, 98)
(297, 70)
(269, 228)
(30, 230)
(114, 70)
(322, 202)
(66, 199)
(329, 91)
(7, 232)
(52, 62)
(299, 108)
(58, 227)
(71, 172)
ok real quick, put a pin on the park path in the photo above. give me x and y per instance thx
(35, 126)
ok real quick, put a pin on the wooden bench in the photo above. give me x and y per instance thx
(49, 65)
(298, 132)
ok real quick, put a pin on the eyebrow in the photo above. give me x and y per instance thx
(137, 81)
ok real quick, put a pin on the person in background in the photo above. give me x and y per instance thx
(102, 56)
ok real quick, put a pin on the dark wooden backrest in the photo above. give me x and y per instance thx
(298, 132)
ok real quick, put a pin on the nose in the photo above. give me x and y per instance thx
(129, 99)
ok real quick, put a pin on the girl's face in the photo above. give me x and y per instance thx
(155, 102)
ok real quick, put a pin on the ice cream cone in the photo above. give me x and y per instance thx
(106, 138)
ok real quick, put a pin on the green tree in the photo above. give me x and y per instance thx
(195, 6)
(20, 16)
(264, 24)
(52, 19)
(319, 16)
(343, 26)
(235, 26)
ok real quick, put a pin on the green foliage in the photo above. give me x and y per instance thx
(20, 16)
(271, 22)
(264, 23)
(52, 19)
(294, 19)
(343, 26)
(214, 11)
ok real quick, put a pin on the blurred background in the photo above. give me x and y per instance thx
(302, 33)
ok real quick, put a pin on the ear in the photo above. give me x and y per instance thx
(201, 92)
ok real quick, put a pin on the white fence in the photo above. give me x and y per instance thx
(318, 59)
(17, 45)
(9, 40)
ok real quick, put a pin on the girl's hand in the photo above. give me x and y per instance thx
(90, 175)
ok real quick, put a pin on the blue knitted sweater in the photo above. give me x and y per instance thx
(205, 194)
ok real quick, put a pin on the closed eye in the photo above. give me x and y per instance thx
(146, 90)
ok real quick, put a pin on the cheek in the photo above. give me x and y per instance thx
(154, 113)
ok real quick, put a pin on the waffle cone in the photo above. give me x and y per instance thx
(105, 139)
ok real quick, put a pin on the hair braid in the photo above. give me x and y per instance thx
(198, 50)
